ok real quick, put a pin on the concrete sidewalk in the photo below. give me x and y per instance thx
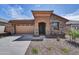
(10, 47)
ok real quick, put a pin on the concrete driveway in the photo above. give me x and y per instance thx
(10, 47)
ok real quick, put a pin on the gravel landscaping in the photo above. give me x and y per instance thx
(52, 47)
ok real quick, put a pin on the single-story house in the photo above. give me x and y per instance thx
(2, 25)
(73, 25)
(44, 23)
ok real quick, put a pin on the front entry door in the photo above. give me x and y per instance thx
(42, 28)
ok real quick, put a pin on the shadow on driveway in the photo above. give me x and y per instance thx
(29, 38)
(73, 43)
(24, 38)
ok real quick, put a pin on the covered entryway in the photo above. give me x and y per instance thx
(42, 27)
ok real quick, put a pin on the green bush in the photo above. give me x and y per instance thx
(65, 50)
(74, 33)
(34, 51)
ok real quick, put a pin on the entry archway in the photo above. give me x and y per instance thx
(42, 28)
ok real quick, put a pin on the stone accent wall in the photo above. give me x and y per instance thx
(62, 24)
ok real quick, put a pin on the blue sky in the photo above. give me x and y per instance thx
(20, 11)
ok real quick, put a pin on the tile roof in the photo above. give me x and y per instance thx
(22, 21)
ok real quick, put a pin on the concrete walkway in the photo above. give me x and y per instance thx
(10, 47)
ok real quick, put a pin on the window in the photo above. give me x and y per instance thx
(55, 25)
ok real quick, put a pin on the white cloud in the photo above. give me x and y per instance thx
(41, 7)
(17, 13)
(73, 16)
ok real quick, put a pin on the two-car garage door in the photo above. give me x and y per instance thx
(24, 29)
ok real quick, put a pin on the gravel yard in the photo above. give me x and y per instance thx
(52, 47)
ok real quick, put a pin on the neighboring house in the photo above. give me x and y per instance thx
(73, 25)
(44, 23)
(2, 25)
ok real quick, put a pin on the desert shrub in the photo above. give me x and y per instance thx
(74, 33)
(34, 51)
(65, 50)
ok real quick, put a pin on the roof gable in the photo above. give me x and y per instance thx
(60, 17)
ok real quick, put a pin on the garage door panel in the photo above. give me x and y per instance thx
(24, 29)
